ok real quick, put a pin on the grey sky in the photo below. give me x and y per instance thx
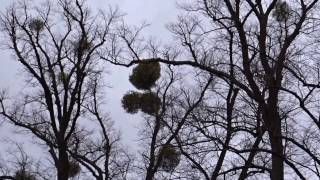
(156, 12)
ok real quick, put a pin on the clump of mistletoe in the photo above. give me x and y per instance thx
(143, 77)
(281, 11)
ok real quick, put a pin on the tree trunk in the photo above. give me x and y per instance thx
(149, 175)
(273, 123)
(277, 151)
(63, 168)
(152, 166)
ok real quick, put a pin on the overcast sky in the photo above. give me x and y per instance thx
(155, 12)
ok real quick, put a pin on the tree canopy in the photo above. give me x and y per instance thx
(234, 95)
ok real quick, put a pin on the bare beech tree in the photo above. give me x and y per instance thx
(57, 46)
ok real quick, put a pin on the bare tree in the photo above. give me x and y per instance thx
(272, 44)
(251, 111)
(167, 108)
(101, 151)
(57, 46)
(19, 165)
